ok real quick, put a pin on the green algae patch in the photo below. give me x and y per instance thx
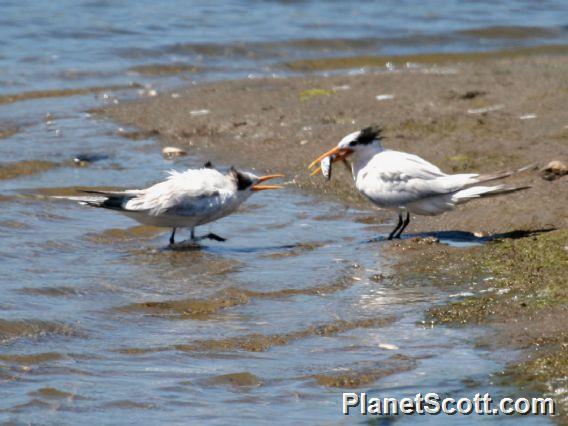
(545, 373)
(25, 168)
(308, 94)
(521, 278)
(519, 288)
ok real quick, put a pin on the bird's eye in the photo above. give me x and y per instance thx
(352, 143)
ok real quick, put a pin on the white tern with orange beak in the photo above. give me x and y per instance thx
(405, 182)
(185, 199)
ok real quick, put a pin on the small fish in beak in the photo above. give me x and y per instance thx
(325, 166)
(327, 159)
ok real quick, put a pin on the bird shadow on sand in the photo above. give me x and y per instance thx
(463, 237)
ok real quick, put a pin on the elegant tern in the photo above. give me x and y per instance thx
(405, 182)
(185, 199)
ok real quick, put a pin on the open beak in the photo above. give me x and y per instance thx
(336, 154)
(257, 187)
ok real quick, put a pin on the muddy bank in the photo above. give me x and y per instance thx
(516, 287)
(230, 297)
(25, 168)
(57, 93)
(477, 116)
(354, 378)
(263, 342)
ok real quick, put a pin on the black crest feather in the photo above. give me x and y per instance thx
(369, 134)
(243, 181)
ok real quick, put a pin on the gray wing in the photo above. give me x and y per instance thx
(397, 178)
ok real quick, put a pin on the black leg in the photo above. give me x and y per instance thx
(172, 240)
(215, 237)
(193, 233)
(394, 231)
(405, 224)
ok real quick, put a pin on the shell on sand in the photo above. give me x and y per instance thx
(172, 151)
(554, 170)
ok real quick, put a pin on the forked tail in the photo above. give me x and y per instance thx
(474, 192)
(501, 175)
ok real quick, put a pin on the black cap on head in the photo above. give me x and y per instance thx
(367, 135)
(243, 181)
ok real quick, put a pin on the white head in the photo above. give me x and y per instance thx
(360, 144)
(248, 183)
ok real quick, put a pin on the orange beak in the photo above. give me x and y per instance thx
(335, 153)
(257, 187)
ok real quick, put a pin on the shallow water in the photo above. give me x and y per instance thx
(101, 322)
(70, 44)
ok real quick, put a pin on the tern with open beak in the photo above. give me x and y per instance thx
(405, 182)
(185, 199)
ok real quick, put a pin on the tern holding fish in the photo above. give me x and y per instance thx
(405, 182)
(185, 199)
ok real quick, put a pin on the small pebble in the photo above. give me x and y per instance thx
(384, 97)
(528, 117)
(172, 151)
(486, 109)
(198, 112)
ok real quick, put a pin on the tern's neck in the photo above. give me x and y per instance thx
(361, 157)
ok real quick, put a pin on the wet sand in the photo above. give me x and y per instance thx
(476, 116)
(516, 287)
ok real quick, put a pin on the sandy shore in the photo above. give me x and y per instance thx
(482, 116)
